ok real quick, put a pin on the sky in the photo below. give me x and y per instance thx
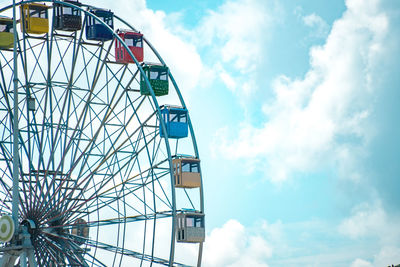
(295, 107)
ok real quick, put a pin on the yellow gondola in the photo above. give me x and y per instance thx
(6, 33)
(35, 18)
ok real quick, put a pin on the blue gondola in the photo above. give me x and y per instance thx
(175, 119)
(97, 31)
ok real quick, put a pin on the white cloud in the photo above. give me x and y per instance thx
(232, 34)
(361, 263)
(232, 40)
(234, 245)
(387, 256)
(236, 30)
(366, 220)
(314, 21)
(372, 222)
(228, 80)
(308, 243)
(322, 119)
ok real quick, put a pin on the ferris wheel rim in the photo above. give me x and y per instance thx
(86, 12)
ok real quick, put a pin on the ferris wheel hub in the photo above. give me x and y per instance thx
(31, 226)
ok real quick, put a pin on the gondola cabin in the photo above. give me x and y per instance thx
(186, 172)
(190, 227)
(80, 230)
(175, 119)
(34, 18)
(6, 33)
(158, 78)
(67, 18)
(134, 41)
(95, 30)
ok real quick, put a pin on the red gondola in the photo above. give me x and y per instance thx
(134, 41)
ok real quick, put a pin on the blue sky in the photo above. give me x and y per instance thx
(295, 106)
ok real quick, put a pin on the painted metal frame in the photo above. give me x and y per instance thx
(78, 44)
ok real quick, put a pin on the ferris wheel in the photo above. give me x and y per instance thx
(99, 164)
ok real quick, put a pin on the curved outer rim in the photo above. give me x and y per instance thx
(163, 126)
(190, 128)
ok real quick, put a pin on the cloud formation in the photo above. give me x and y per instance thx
(321, 120)
(234, 245)
(315, 22)
(371, 221)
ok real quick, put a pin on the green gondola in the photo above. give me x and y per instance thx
(158, 78)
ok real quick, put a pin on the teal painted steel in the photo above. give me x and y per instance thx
(90, 144)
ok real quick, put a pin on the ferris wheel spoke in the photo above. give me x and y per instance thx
(62, 58)
(95, 261)
(106, 247)
(62, 249)
(82, 116)
(83, 73)
(127, 252)
(67, 102)
(3, 81)
(131, 219)
(24, 149)
(155, 195)
(135, 159)
(61, 246)
(68, 96)
(109, 153)
(101, 62)
(92, 144)
(92, 200)
(48, 249)
(2, 148)
(68, 78)
(113, 153)
(6, 197)
(84, 189)
(110, 198)
(36, 57)
(87, 107)
(38, 133)
(7, 62)
(42, 139)
(40, 254)
(53, 100)
(77, 47)
(137, 181)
